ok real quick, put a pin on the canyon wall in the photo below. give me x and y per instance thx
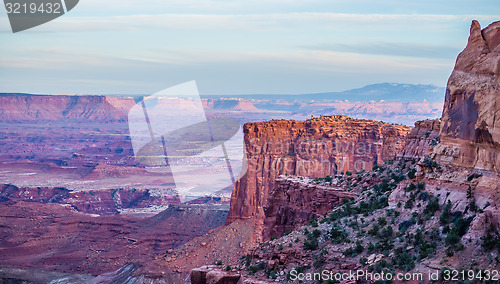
(34, 108)
(294, 202)
(470, 127)
(317, 147)
(102, 202)
(421, 140)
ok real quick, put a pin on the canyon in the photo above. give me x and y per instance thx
(54, 237)
(329, 192)
(434, 207)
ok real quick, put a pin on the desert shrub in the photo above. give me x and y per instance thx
(253, 269)
(386, 233)
(382, 221)
(405, 225)
(311, 244)
(473, 176)
(445, 217)
(359, 247)
(318, 263)
(370, 248)
(337, 234)
(411, 173)
(432, 207)
(409, 203)
(403, 260)
(461, 225)
(314, 223)
(491, 240)
(374, 230)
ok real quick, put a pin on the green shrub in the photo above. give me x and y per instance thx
(411, 173)
(405, 225)
(432, 207)
(445, 217)
(491, 240)
(337, 234)
(311, 244)
(374, 230)
(253, 269)
(382, 221)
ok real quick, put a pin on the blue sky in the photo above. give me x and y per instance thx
(239, 47)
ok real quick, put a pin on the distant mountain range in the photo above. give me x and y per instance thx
(390, 92)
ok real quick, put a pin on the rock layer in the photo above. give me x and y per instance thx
(470, 128)
(317, 147)
(293, 202)
(24, 108)
(421, 140)
(102, 202)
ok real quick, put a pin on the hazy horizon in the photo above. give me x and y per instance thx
(239, 47)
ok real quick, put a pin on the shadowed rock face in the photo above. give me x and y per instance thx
(316, 147)
(292, 203)
(470, 128)
(421, 140)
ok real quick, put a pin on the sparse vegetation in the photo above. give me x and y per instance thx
(415, 229)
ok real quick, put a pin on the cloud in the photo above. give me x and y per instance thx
(255, 22)
(395, 48)
(239, 46)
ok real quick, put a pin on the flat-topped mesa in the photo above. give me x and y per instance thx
(312, 148)
(42, 108)
(470, 127)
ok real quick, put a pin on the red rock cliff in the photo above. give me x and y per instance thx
(421, 140)
(294, 202)
(470, 128)
(25, 108)
(314, 148)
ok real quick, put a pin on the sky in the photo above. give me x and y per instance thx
(239, 46)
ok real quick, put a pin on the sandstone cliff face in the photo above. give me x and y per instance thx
(469, 152)
(470, 128)
(316, 147)
(421, 140)
(25, 108)
(293, 202)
